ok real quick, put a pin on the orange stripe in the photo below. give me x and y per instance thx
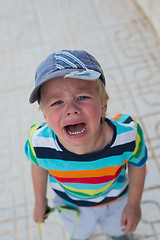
(87, 173)
(117, 116)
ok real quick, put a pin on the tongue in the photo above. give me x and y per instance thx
(76, 127)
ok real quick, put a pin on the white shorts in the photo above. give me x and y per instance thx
(108, 217)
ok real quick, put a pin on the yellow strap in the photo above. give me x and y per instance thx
(61, 208)
(39, 230)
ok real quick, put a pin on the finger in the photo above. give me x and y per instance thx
(123, 220)
(129, 228)
(39, 219)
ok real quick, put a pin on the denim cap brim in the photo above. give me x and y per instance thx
(89, 75)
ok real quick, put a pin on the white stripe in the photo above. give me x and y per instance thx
(59, 66)
(125, 137)
(38, 141)
(49, 143)
(66, 61)
(56, 186)
(132, 124)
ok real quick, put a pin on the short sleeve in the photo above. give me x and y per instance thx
(140, 155)
(29, 149)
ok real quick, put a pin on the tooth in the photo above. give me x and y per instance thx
(74, 133)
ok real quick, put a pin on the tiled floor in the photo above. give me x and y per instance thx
(121, 38)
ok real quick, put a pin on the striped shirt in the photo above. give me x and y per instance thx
(92, 179)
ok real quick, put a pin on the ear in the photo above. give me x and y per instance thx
(45, 117)
(104, 109)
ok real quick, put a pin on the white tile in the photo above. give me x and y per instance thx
(6, 213)
(144, 229)
(6, 200)
(6, 227)
(23, 234)
(8, 236)
(23, 30)
(152, 122)
(157, 228)
(152, 179)
(152, 215)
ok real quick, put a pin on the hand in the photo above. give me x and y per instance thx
(130, 217)
(39, 211)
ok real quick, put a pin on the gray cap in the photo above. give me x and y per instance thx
(66, 63)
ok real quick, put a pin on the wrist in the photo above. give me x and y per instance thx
(133, 204)
(134, 199)
(41, 201)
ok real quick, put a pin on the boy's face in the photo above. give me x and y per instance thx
(72, 108)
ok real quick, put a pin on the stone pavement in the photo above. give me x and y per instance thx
(119, 35)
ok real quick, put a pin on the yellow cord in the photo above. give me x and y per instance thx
(39, 230)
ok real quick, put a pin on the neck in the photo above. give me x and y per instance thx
(98, 143)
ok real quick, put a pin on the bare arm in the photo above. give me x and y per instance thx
(132, 212)
(39, 178)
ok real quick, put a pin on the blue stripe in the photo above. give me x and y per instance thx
(58, 164)
(142, 161)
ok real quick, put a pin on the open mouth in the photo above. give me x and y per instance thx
(75, 129)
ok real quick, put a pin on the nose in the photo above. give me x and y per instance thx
(72, 109)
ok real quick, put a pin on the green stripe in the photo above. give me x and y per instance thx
(141, 143)
(31, 149)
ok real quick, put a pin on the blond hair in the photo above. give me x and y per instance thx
(102, 94)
